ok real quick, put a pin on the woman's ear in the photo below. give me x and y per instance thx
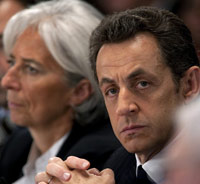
(81, 92)
(191, 82)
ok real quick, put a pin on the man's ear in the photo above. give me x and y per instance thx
(191, 82)
(81, 92)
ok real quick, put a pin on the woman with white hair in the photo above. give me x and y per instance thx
(51, 90)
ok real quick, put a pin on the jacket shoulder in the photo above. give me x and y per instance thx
(14, 154)
(95, 144)
(123, 164)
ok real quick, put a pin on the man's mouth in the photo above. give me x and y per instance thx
(132, 129)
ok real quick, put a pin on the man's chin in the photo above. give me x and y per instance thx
(131, 147)
(135, 145)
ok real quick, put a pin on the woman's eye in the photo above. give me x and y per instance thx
(31, 69)
(142, 85)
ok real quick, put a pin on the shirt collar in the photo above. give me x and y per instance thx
(155, 167)
(38, 162)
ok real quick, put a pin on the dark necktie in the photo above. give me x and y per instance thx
(142, 177)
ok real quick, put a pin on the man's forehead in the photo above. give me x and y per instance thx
(141, 47)
(127, 76)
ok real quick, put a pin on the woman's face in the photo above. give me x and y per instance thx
(37, 91)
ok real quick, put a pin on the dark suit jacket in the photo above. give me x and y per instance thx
(93, 142)
(123, 164)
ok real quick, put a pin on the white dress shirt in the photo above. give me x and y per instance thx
(154, 167)
(37, 163)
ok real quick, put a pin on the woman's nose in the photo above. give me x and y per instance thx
(11, 79)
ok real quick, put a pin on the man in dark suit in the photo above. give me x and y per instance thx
(146, 66)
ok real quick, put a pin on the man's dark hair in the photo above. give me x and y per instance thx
(174, 38)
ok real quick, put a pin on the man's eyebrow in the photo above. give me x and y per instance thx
(129, 77)
(105, 80)
(135, 73)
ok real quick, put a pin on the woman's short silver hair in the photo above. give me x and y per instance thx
(65, 26)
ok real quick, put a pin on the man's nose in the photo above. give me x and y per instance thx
(11, 79)
(126, 104)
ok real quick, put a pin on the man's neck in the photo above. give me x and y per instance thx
(144, 157)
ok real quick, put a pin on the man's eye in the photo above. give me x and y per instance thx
(142, 85)
(111, 92)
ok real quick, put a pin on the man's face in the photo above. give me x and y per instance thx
(3, 68)
(139, 93)
(7, 9)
